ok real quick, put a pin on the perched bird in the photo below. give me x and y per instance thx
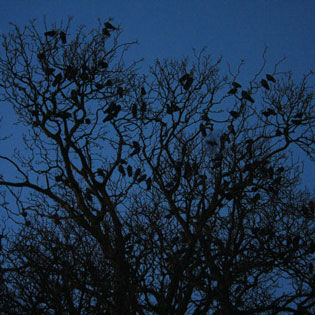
(137, 173)
(143, 91)
(136, 147)
(265, 84)
(170, 109)
(233, 91)
(246, 96)
(188, 83)
(298, 115)
(143, 107)
(203, 130)
(99, 86)
(129, 170)
(49, 71)
(50, 33)
(149, 183)
(212, 142)
(236, 85)
(74, 95)
(270, 78)
(41, 56)
(57, 80)
(106, 32)
(269, 112)
(134, 110)
(296, 122)
(102, 64)
(109, 82)
(141, 178)
(87, 121)
(63, 37)
(110, 26)
(120, 91)
(121, 170)
(234, 114)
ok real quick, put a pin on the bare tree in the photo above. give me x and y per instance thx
(180, 183)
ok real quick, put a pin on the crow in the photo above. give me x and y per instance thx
(87, 121)
(136, 147)
(134, 110)
(105, 32)
(203, 130)
(232, 91)
(57, 80)
(247, 97)
(143, 91)
(142, 178)
(265, 84)
(270, 78)
(188, 83)
(110, 26)
(50, 33)
(63, 37)
(234, 114)
(120, 91)
(298, 115)
(149, 183)
(296, 122)
(129, 170)
(49, 71)
(102, 64)
(137, 173)
(109, 82)
(236, 85)
(121, 170)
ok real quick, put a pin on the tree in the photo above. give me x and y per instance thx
(171, 193)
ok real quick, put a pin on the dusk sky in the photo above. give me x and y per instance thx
(233, 29)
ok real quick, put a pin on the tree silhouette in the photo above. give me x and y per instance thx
(171, 193)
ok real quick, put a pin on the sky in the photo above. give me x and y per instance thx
(234, 29)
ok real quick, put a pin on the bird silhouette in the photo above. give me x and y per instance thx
(232, 91)
(102, 64)
(137, 173)
(298, 115)
(270, 78)
(236, 85)
(234, 114)
(50, 33)
(296, 122)
(149, 183)
(120, 91)
(49, 71)
(143, 91)
(109, 26)
(246, 96)
(121, 170)
(57, 80)
(129, 170)
(134, 110)
(106, 32)
(63, 37)
(136, 147)
(265, 84)
(109, 82)
(202, 128)
(141, 178)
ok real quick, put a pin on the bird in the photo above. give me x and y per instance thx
(170, 109)
(298, 115)
(120, 91)
(188, 83)
(232, 91)
(136, 147)
(234, 114)
(265, 84)
(143, 107)
(87, 121)
(105, 32)
(49, 71)
(102, 64)
(270, 78)
(50, 33)
(99, 86)
(141, 178)
(269, 112)
(203, 130)
(143, 91)
(296, 122)
(183, 78)
(137, 173)
(109, 26)
(149, 183)
(236, 85)
(121, 170)
(134, 110)
(247, 97)
(129, 170)
(63, 37)
(109, 82)
(41, 56)
(57, 80)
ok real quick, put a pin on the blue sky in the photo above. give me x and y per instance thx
(233, 29)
